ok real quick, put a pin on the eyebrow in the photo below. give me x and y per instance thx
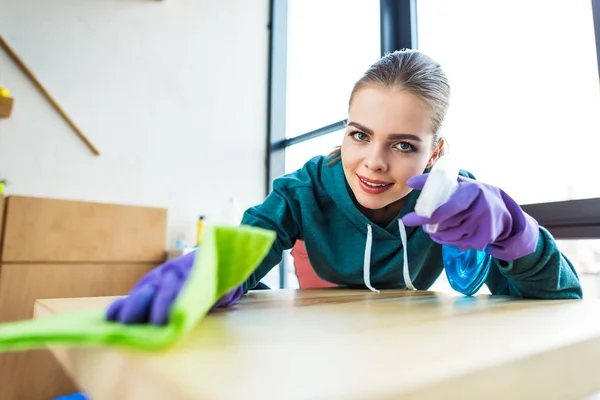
(391, 136)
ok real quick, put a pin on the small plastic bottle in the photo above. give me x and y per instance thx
(199, 229)
(467, 270)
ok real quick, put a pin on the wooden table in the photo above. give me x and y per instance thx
(344, 344)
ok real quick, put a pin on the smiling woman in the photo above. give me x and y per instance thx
(396, 110)
(494, 99)
(351, 209)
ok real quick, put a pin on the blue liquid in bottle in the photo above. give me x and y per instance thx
(466, 270)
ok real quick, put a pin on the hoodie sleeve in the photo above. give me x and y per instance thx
(544, 274)
(279, 213)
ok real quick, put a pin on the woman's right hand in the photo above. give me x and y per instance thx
(151, 298)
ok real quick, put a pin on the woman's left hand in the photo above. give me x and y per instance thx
(479, 216)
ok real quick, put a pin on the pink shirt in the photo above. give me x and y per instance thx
(307, 277)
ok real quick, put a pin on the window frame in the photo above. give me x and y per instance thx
(596, 17)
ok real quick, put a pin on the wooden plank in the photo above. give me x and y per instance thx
(33, 375)
(37, 375)
(22, 284)
(333, 343)
(50, 230)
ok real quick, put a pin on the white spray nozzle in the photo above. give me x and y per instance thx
(439, 187)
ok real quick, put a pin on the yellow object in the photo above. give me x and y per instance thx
(4, 92)
(199, 229)
(1, 187)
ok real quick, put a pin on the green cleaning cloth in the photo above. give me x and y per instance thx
(229, 255)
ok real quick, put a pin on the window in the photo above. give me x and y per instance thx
(297, 155)
(330, 44)
(525, 93)
(524, 107)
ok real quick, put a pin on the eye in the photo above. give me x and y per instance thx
(359, 136)
(406, 147)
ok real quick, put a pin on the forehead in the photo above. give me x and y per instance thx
(388, 110)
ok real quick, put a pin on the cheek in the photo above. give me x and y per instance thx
(408, 168)
(346, 145)
(349, 154)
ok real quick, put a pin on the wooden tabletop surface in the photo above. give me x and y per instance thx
(354, 344)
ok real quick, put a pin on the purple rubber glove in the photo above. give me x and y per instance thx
(480, 216)
(151, 298)
(229, 298)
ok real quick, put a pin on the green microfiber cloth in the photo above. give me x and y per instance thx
(228, 256)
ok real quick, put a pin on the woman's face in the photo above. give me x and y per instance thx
(387, 141)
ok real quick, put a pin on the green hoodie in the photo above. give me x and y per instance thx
(314, 204)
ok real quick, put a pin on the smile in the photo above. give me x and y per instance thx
(373, 186)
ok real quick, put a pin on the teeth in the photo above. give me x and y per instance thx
(373, 184)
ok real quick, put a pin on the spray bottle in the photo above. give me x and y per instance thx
(468, 269)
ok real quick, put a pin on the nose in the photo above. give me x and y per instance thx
(376, 160)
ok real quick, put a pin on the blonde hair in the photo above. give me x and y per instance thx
(416, 73)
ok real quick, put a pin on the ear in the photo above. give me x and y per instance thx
(432, 160)
(436, 153)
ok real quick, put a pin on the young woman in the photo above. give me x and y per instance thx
(350, 208)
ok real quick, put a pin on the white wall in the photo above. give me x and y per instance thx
(173, 93)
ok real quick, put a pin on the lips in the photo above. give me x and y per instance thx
(373, 181)
(373, 186)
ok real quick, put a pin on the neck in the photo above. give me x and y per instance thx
(382, 216)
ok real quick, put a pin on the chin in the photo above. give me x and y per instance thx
(371, 203)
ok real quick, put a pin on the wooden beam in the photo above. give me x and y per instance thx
(46, 94)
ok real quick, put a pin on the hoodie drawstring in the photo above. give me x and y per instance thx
(407, 281)
(367, 261)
